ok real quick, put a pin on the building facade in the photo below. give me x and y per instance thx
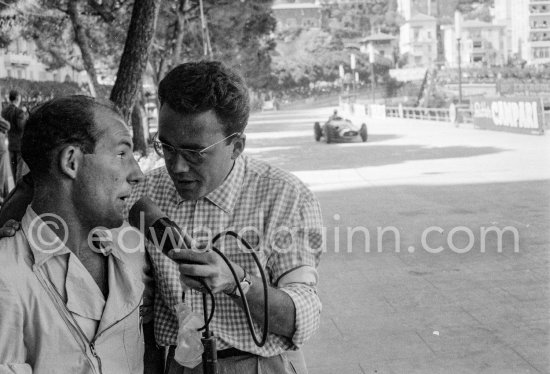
(528, 29)
(417, 38)
(19, 61)
(384, 45)
(481, 44)
(297, 14)
(539, 32)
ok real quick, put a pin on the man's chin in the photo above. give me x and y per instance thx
(188, 194)
(113, 222)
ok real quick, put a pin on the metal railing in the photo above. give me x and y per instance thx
(427, 114)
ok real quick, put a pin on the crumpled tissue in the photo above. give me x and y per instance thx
(189, 351)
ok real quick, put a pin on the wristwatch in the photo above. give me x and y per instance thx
(245, 285)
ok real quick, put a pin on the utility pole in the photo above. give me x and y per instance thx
(459, 71)
(458, 32)
(371, 63)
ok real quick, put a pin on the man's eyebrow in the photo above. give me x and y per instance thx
(186, 146)
(126, 142)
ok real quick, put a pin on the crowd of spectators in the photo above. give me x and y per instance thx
(491, 75)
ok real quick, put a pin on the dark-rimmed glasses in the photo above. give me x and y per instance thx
(194, 156)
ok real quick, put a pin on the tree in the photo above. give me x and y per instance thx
(133, 63)
(238, 31)
(78, 33)
(10, 20)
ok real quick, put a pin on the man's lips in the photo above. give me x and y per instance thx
(124, 197)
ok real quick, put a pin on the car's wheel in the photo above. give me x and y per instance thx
(364, 133)
(328, 134)
(317, 132)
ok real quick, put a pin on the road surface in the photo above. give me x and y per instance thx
(438, 251)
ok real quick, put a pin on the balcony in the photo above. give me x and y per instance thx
(17, 59)
(540, 43)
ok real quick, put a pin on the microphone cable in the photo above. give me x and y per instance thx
(246, 309)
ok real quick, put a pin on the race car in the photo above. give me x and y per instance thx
(339, 130)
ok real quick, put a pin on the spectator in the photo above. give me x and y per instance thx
(16, 117)
(6, 177)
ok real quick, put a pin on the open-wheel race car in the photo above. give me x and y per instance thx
(339, 130)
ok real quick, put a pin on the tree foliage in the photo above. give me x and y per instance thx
(239, 33)
(364, 17)
(82, 34)
(308, 56)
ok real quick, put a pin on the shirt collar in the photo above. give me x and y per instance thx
(225, 195)
(45, 244)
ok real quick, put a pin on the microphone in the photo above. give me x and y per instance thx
(147, 217)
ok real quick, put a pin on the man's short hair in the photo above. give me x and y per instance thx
(196, 87)
(62, 121)
(14, 94)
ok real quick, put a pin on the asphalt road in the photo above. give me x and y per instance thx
(438, 238)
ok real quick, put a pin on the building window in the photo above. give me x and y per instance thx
(478, 44)
(308, 22)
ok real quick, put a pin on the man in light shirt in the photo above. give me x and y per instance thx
(70, 295)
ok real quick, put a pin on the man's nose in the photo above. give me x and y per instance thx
(179, 164)
(136, 175)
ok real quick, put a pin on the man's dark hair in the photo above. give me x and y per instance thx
(14, 94)
(196, 87)
(58, 123)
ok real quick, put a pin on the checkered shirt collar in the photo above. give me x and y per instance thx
(225, 195)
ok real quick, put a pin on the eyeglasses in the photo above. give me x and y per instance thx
(194, 156)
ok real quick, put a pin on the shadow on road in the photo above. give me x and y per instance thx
(320, 156)
(479, 303)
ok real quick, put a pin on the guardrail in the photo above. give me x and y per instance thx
(458, 114)
(428, 114)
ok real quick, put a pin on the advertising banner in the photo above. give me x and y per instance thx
(516, 114)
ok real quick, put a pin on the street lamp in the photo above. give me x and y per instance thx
(370, 49)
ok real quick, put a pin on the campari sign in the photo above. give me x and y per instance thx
(518, 114)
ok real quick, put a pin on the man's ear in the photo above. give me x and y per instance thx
(70, 159)
(238, 146)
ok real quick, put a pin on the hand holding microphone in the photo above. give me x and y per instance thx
(195, 265)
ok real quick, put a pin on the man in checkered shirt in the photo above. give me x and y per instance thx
(208, 186)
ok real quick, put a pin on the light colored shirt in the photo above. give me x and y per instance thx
(54, 318)
(271, 209)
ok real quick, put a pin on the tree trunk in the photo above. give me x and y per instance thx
(83, 43)
(135, 55)
(180, 31)
(137, 124)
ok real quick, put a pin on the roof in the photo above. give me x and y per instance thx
(296, 6)
(421, 17)
(352, 45)
(471, 24)
(378, 36)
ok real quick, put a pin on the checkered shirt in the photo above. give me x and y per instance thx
(270, 208)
